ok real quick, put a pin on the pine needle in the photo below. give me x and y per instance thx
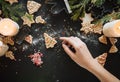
(12, 11)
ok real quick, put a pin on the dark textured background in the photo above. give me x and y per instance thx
(57, 67)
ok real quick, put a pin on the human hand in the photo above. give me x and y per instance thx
(81, 55)
(84, 59)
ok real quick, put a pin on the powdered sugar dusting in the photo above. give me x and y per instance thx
(88, 38)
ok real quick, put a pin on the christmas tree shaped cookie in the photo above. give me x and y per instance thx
(49, 41)
(102, 59)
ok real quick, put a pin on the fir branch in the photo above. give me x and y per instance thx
(12, 11)
(107, 18)
(78, 8)
(97, 2)
(118, 2)
(72, 2)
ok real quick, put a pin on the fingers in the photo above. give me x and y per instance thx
(74, 41)
(64, 42)
(68, 51)
(69, 40)
(78, 40)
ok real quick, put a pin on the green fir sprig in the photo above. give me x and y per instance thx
(78, 7)
(108, 17)
(12, 11)
(97, 2)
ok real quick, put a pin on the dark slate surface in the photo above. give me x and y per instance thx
(57, 67)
